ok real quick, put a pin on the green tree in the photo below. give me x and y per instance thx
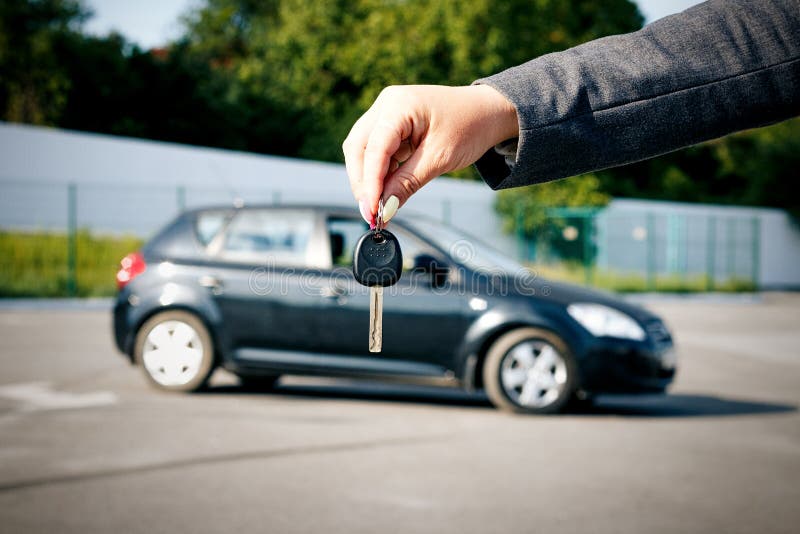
(524, 210)
(331, 58)
(764, 164)
(755, 167)
(33, 85)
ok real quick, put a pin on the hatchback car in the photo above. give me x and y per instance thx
(268, 291)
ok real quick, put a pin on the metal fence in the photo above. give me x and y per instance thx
(641, 251)
(648, 251)
(66, 239)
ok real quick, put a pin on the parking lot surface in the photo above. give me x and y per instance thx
(87, 446)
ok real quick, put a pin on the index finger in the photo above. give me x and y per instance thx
(353, 149)
(383, 142)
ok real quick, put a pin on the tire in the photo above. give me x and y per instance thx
(517, 380)
(181, 363)
(258, 382)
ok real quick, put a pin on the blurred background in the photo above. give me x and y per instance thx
(117, 115)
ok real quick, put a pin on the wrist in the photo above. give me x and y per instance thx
(502, 120)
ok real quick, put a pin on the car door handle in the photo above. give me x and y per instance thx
(211, 282)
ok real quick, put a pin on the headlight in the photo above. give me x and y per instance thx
(604, 321)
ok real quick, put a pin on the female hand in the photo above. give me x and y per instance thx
(414, 133)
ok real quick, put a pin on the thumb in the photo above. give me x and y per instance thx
(409, 178)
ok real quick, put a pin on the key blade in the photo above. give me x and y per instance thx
(375, 318)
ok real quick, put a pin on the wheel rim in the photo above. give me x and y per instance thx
(173, 353)
(533, 374)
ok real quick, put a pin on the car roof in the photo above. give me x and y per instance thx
(333, 209)
(282, 206)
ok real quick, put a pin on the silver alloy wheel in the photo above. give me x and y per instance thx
(172, 353)
(533, 373)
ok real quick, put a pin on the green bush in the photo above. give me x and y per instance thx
(34, 264)
(623, 282)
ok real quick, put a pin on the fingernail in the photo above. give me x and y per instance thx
(390, 208)
(367, 216)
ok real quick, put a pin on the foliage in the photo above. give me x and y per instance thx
(35, 264)
(755, 167)
(624, 282)
(524, 210)
(331, 58)
(173, 96)
(763, 164)
(33, 85)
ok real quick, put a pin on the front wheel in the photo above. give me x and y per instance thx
(175, 351)
(529, 370)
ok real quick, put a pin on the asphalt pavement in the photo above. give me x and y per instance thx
(87, 446)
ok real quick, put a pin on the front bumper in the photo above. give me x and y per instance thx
(614, 366)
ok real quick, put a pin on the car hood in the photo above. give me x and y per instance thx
(565, 294)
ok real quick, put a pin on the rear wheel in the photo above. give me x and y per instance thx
(529, 370)
(175, 351)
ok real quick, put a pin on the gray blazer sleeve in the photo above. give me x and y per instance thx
(721, 66)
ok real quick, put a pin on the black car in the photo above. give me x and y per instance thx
(266, 291)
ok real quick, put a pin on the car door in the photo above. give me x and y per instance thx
(260, 278)
(421, 323)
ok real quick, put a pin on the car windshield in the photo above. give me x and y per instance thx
(465, 248)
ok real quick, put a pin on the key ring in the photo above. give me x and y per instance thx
(379, 217)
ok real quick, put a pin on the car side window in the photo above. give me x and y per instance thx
(208, 224)
(412, 247)
(277, 237)
(344, 233)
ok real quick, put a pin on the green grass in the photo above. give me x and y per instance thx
(638, 283)
(34, 264)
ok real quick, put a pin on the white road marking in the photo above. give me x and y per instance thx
(36, 396)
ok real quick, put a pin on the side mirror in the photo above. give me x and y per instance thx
(433, 267)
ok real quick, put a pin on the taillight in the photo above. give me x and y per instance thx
(131, 266)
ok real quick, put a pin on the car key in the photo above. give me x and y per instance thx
(377, 263)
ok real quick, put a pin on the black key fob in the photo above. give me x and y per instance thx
(377, 259)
